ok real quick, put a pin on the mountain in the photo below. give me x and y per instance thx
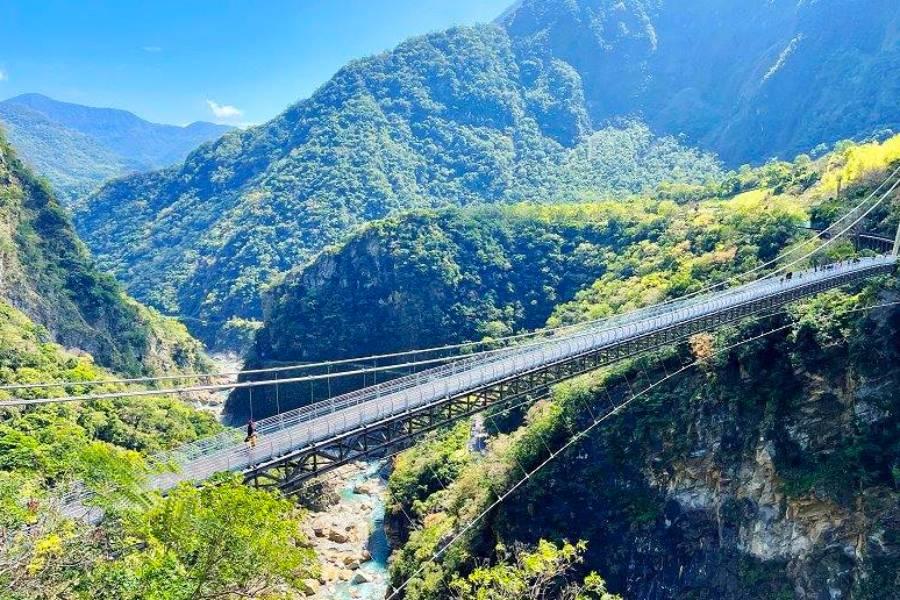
(79, 147)
(455, 118)
(561, 99)
(46, 274)
(769, 470)
(746, 79)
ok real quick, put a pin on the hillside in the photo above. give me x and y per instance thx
(768, 471)
(450, 118)
(46, 273)
(746, 79)
(79, 147)
(561, 99)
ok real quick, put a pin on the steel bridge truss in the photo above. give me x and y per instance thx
(398, 431)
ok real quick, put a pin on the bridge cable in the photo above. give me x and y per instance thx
(250, 384)
(583, 433)
(311, 378)
(305, 366)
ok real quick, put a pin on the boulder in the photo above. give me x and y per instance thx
(338, 537)
(359, 578)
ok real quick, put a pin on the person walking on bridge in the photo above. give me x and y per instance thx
(251, 434)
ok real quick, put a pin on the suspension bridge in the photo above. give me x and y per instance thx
(378, 420)
(374, 421)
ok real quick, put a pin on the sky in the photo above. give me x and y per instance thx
(229, 61)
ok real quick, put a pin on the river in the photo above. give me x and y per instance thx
(349, 537)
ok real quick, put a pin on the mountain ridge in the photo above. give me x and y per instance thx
(532, 110)
(457, 117)
(78, 147)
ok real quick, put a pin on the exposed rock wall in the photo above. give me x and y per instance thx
(771, 474)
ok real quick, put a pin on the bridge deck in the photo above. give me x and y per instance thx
(282, 435)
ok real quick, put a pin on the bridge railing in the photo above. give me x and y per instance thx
(284, 432)
(276, 423)
(271, 425)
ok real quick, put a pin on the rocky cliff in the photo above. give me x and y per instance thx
(773, 471)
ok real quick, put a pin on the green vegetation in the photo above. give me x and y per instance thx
(748, 79)
(430, 278)
(48, 275)
(453, 118)
(533, 109)
(425, 279)
(78, 147)
(539, 574)
(224, 540)
(74, 163)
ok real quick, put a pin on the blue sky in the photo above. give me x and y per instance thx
(228, 61)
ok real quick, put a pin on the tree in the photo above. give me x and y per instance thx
(543, 573)
(223, 540)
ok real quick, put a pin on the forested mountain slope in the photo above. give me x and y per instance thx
(747, 79)
(46, 273)
(769, 471)
(451, 118)
(498, 114)
(79, 147)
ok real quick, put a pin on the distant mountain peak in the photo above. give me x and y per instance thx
(78, 147)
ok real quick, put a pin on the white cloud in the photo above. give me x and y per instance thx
(3, 75)
(151, 49)
(224, 111)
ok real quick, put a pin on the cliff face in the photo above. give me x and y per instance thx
(772, 470)
(46, 272)
(774, 473)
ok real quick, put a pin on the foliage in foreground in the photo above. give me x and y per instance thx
(540, 574)
(224, 540)
(221, 541)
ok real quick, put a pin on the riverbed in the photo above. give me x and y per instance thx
(349, 538)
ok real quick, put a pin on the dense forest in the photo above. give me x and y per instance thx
(572, 161)
(768, 471)
(425, 279)
(46, 272)
(747, 79)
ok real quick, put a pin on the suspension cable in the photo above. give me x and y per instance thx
(328, 364)
(582, 434)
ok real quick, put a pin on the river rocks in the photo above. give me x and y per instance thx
(338, 537)
(311, 586)
(359, 578)
(339, 534)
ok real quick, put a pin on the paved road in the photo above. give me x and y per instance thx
(296, 429)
